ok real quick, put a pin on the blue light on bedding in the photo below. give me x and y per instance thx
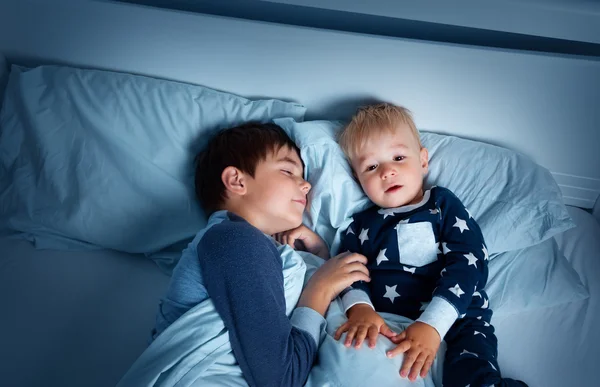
(92, 158)
(195, 350)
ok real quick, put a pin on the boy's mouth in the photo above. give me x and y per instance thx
(301, 201)
(393, 189)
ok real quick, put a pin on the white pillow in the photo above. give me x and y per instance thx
(536, 277)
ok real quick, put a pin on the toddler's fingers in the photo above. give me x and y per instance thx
(400, 348)
(427, 366)
(387, 332)
(372, 336)
(399, 337)
(417, 367)
(360, 336)
(350, 335)
(343, 328)
(409, 359)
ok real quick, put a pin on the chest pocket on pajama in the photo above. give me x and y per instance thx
(416, 243)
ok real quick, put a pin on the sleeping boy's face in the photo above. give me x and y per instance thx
(278, 191)
(390, 167)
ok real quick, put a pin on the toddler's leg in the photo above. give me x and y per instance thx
(471, 356)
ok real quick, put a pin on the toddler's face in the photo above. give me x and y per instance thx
(390, 168)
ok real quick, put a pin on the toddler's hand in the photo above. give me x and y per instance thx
(420, 343)
(363, 322)
(311, 241)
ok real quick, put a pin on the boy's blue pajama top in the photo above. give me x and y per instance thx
(428, 262)
(240, 269)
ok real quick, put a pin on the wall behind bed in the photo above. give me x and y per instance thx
(544, 105)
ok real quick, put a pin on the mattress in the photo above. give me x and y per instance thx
(81, 318)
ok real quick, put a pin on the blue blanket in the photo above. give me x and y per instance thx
(195, 350)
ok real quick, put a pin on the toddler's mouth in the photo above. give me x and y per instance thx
(393, 189)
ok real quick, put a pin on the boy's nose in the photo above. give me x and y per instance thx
(387, 172)
(305, 186)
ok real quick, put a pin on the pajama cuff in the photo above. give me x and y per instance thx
(309, 321)
(353, 297)
(440, 314)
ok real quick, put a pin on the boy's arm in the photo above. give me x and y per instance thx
(358, 292)
(243, 276)
(466, 266)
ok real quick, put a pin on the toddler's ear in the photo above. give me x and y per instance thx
(424, 160)
(234, 181)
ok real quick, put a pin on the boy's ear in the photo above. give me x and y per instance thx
(424, 160)
(234, 181)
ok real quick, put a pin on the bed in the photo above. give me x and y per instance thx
(78, 311)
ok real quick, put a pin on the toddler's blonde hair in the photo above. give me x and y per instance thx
(373, 120)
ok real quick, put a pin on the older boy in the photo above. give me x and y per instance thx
(250, 179)
(427, 256)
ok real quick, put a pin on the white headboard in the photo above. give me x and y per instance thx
(542, 105)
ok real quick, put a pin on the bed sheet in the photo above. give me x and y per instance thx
(82, 318)
(73, 318)
(559, 346)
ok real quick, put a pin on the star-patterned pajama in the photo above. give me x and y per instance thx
(428, 262)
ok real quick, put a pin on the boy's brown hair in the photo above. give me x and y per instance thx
(372, 120)
(242, 147)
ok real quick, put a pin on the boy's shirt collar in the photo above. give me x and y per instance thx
(407, 208)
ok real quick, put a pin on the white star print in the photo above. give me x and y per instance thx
(460, 224)
(485, 323)
(485, 253)
(438, 248)
(476, 294)
(386, 212)
(468, 212)
(433, 212)
(472, 259)
(462, 315)
(349, 231)
(485, 304)
(442, 272)
(445, 248)
(465, 352)
(424, 305)
(411, 270)
(381, 257)
(492, 365)
(478, 317)
(363, 236)
(475, 333)
(390, 292)
(457, 290)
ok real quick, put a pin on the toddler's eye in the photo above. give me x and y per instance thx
(286, 172)
(371, 167)
(399, 158)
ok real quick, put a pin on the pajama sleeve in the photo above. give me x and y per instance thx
(358, 292)
(245, 282)
(466, 265)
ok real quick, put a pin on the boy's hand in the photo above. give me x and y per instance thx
(309, 239)
(420, 343)
(335, 275)
(363, 322)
